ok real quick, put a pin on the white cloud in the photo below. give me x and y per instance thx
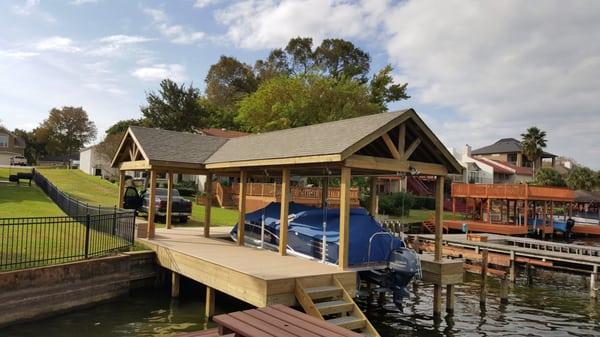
(18, 54)
(83, 2)
(504, 66)
(32, 8)
(157, 72)
(205, 3)
(259, 24)
(175, 33)
(125, 39)
(57, 43)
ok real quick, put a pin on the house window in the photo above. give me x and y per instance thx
(512, 158)
(3, 141)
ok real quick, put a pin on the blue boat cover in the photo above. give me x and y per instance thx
(305, 232)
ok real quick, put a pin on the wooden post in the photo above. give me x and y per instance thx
(242, 208)
(208, 193)
(570, 210)
(345, 178)
(504, 290)
(544, 217)
(450, 298)
(174, 284)
(552, 215)
(373, 200)
(525, 212)
(169, 217)
(121, 188)
(209, 303)
(593, 279)
(512, 268)
(515, 215)
(484, 269)
(453, 206)
(529, 272)
(439, 217)
(489, 210)
(437, 300)
(152, 204)
(283, 217)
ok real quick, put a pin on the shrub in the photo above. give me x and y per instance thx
(186, 188)
(395, 203)
(424, 203)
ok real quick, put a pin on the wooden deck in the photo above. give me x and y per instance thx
(484, 227)
(586, 229)
(512, 192)
(258, 277)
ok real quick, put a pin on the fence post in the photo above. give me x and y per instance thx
(87, 235)
(114, 229)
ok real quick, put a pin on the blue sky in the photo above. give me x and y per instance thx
(477, 71)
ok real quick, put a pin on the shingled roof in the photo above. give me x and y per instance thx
(319, 139)
(505, 145)
(174, 146)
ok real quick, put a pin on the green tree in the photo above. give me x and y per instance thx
(174, 107)
(228, 81)
(582, 178)
(121, 126)
(276, 64)
(34, 150)
(65, 131)
(547, 176)
(384, 90)
(533, 143)
(342, 59)
(286, 102)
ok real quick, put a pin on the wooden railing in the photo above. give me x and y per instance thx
(512, 191)
(302, 195)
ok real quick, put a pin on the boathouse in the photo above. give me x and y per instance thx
(397, 143)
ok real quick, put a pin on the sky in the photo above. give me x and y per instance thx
(477, 71)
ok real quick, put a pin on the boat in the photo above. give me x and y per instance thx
(313, 233)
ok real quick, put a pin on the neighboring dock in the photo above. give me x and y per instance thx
(508, 251)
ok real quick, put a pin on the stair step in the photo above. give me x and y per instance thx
(323, 292)
(334, 307)
(349, 322)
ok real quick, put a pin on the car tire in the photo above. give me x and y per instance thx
(183, 219)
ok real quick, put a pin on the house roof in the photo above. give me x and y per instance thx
(498, 167)
(223, 133)
(313, 140)
(174, 146)
(585, 196)
(505, 145)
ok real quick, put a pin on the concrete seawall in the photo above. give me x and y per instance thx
(45, 291)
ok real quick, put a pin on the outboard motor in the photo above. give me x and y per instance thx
(404, 265)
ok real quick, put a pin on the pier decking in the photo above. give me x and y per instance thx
(258, 277)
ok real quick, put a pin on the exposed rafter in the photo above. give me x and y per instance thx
(413, 146)
(390, 145)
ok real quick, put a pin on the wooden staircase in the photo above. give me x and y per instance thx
(332, 303)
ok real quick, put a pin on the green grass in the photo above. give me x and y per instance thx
(218, 216)
(6, 171)
(84, 187)
(420, 215)
(24, 201)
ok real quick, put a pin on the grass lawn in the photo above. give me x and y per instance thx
(6, 171)
(420, 215)
(219, 217)
(84, 187)
(24, 201)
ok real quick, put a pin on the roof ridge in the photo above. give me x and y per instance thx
(175, 131)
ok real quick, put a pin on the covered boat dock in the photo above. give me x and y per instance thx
(369, 146)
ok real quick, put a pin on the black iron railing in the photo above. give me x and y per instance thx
(84, 233)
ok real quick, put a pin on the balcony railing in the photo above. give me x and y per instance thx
(512, 191)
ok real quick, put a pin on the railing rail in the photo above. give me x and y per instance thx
(512, 191)
(86, 232)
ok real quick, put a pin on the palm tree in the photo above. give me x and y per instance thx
(533, 142)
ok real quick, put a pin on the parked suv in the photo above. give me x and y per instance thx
(181, 207)
(18, 161)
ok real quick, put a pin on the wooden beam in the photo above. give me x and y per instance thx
(283, 218)
(121, 188)
(152, 204)
(402, 139)
(413, 146)
(169, 216)
(390, 145)
(175, 279)
(242, 208)
(394, 165)
(344, 217)
(324, 191)
(207, 208)
(136, 165)
(209, 309)
(439, 216)
(373, 199)
(277, 162)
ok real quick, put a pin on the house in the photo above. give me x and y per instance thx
(510, 150)
(10, 146)
(59, 160)
(92, 162)
(485, 170)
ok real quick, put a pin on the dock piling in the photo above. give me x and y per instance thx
(504, 290)
(437, 300)
(209, 309)
(593, 280)
(512, 268)
(450, 298)
(484, 269)
(174, 284)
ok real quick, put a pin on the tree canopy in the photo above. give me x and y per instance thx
(533, 143)
(121, 126)
(285, 102)
(65, 131)
(174, 107)
(583, 178)
(547, 176)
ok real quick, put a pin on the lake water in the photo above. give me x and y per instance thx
(555, 304)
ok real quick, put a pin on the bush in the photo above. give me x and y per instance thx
(393, 204)
(186, 188)
(424, 203)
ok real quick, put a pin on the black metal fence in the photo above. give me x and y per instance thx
(85, 232)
